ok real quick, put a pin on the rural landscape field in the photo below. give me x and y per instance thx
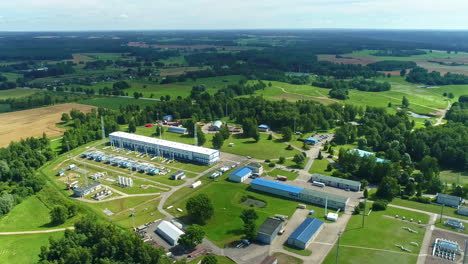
(125, 138)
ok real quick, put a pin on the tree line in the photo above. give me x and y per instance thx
(18, 164)
(421, 75)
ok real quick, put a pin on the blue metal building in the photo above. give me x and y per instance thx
(311, 141)
(240, 175)
(305, 233)
(263, 128)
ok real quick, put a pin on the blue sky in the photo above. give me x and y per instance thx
(38, 15)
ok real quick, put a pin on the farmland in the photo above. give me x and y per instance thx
(33, 123)
(432, 61)
(15, 93)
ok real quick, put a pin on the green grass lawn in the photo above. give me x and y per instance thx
(380, 232)
(320, 167)
(145, 210)
(30, 215)
(302, 252)
(441, 225)
(263, 149)
(116, 102)
(16, 93)
(287, 259)
(457, 177)
(24, 248)
(433, 208)
(226, 225)
(290, 175)
(11, 76)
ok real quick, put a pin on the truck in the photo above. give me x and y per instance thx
(318, 184)
(281, 178)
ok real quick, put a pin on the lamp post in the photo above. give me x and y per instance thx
(338, 246)
(133, 217)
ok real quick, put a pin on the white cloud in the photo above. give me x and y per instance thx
(123, 16)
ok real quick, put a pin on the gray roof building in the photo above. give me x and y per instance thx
(337, 182)
(269, 230)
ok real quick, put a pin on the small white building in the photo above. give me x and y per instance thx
(332, 217)
(196, 184)
(169, 232)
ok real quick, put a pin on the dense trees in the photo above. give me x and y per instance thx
(193, 236)
(249, 216)
(200, 208)
(421, 75)
(459, 110)
(58, 215)
(18, 164)
(287, 134)
(390, 65)
(250, 129)
(218, 140)
(399, 52)
(388, 189)
(41, 99)
(95, 242)
(360, 84)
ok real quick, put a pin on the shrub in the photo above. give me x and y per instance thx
(425, 200)
(289, 147)
(379, 205)
(281, 160)
(271, 164)
(357, 210)
(267, 161)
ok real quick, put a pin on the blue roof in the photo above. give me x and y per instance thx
(277, 185)
(306, 230)
(363, 153)
(446, 244)
(241, 172)
(311, 139)
(264, 126)
(167, 116)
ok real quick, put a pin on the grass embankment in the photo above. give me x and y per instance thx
(24, 248)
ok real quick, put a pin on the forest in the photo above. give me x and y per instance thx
(389, 65)
(421, 75)
(18, 164)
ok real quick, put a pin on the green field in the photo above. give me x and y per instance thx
(220, 259)
(422, 101)
(320, 167)
(226, 225)
(24, 248)
(433, 208)
(290, 175)
(380, 233)
(146, 210)
(155, 90)
(302, 252)
(15, 93)
(434, 55)
(11, 76)
(117, 102)
(264, 149)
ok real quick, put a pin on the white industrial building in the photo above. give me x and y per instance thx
(164, 148)
(169, 232)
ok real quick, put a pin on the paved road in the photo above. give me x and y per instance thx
(36, 232)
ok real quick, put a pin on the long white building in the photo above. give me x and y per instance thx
(164, 148)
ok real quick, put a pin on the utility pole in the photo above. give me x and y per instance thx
(103, 129)
(364, 213)
(160, 132)
(441, 213)
(465, 252)
(338, 246)
(195, 136)
(326, 205)
(133, 217)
